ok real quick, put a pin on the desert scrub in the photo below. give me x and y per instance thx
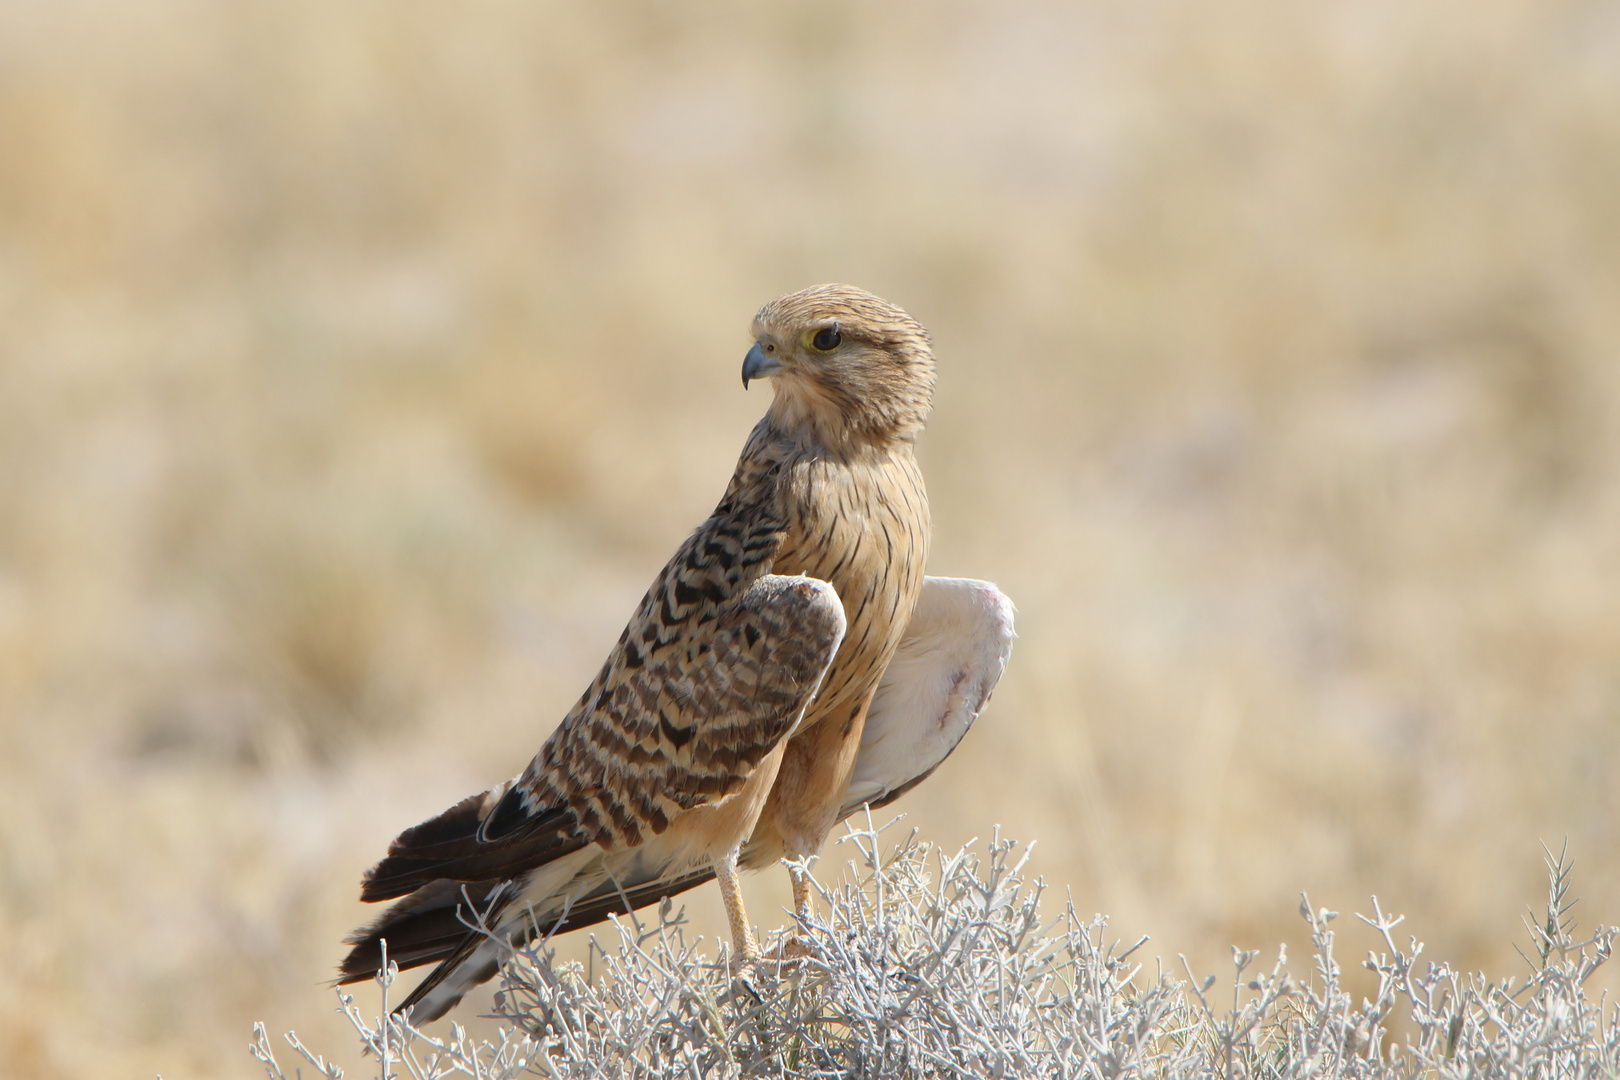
(936, 965)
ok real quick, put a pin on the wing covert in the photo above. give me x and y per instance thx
(687, 725)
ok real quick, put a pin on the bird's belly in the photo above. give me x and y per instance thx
(808, 794)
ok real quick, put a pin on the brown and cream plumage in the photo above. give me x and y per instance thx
(728, 719)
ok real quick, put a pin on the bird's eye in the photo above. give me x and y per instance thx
(827, 339)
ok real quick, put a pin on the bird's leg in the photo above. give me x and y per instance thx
(804, 903)
(742, 935)
(798, 944)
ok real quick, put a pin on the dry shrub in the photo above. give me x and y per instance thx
(933, 966)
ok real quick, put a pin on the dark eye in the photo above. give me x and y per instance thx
(827, 338)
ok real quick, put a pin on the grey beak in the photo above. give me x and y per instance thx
(759, 365)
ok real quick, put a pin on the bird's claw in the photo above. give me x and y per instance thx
(746, 970)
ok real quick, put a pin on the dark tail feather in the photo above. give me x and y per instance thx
(427, 938)
(462, 953)
(594, 908)
(441, 931)
(426, 927)
(481, 838)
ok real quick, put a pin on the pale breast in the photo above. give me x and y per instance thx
(863, 526)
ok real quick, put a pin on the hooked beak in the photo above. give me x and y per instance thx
(759, 365)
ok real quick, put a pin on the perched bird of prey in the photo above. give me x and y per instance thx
(790, 664)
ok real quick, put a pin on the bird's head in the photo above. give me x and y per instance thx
(850, 369)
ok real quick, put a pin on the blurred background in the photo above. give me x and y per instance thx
(362, 361)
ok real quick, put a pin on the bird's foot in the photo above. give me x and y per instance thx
(791, 948)
(747, 971)
(799, 946)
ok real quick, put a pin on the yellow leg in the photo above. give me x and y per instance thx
(742, 935)
(798, 944)
(804, 904)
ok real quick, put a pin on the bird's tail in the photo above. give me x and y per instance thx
(469, 928)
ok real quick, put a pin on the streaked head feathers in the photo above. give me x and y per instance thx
(850, 369)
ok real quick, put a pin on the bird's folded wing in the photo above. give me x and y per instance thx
(686, 707)
(954, 651)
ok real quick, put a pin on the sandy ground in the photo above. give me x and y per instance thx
(361, 362)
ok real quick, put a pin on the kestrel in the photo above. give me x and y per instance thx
(789, 664)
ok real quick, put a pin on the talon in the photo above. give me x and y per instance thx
(746, 971)
(745, 981)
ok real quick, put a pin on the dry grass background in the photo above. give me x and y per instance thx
(360, 362)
